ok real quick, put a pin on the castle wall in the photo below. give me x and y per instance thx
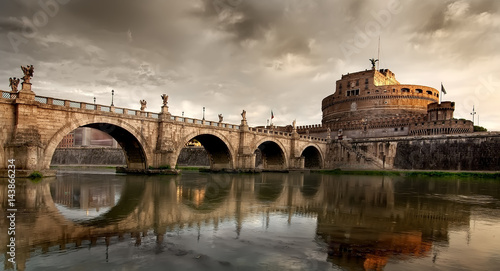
(478, 151)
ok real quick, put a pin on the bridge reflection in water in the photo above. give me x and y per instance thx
(360, 222)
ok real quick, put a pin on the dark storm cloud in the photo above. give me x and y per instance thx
(10, 24)
(256, 20)
(235, 54)
(438, 14)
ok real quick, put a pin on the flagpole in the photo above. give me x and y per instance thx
(378, 53)
(441, 93)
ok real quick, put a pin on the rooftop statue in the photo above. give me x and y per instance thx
(13, 83)
(28, 73)
(143, 104)
(165, 99)
(373, 61)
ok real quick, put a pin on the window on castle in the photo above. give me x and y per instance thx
(419, 90)
(366, 81)
(357, 82)
(405, 90)
(429, 92)
(366, 86)
(395, 129)
(353, 92)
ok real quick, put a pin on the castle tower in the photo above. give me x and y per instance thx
(443, 111)
(372, 94)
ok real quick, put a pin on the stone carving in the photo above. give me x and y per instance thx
(373, 61)
(143, 104)
(328, 133)
(354, 106)
(14, 83)
(28, 73)
(165, 99)
(244, 115)
(220, 118)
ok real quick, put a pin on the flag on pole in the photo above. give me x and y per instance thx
(272, 115)
(442, 89)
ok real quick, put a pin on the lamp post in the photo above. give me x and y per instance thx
(94, 100)
(112, 95)
(203, 113)
(473, 113)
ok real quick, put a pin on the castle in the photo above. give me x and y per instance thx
(372, 103)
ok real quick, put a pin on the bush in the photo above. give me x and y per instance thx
(35, 176)
(479, 129)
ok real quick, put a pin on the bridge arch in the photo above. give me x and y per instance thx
(138, 152)
(274, 155)
(220, 151)
(313, 158)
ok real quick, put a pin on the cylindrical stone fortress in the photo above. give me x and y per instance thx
(374, 94)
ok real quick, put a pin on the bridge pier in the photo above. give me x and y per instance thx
(164, 153)
(25, 145)
(297, 161)
(246, 155)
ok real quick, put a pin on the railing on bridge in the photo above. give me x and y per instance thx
(9, 95)
(95, 107)
(132, 112)
(204, 122)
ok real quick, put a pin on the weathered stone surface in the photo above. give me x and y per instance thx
(88, 156)
(473, 153)
(478, 151)
(193, 156)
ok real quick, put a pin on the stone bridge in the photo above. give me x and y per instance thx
(32, 126)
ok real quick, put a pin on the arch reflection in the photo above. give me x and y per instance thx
(364, 222)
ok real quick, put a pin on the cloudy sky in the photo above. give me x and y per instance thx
(230, 55)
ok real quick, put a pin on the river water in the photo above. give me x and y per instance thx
(98, 220)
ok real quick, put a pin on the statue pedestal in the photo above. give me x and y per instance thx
(164, 109)
(164, 114)
(25, 93)
(26, 87)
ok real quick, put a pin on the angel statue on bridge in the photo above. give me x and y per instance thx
(221, 118)
(14, 83)
(28, 73)
(165, 99)
(244, 115)
(143, 104)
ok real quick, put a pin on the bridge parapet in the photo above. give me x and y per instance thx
(94, 107)
(205, 122)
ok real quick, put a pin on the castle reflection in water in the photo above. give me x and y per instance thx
(363, 220)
